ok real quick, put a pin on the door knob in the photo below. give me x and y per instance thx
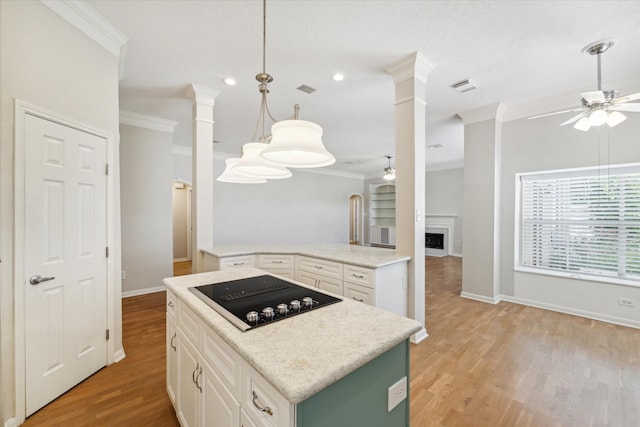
(36, 279)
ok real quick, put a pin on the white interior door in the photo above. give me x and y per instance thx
(65, 245)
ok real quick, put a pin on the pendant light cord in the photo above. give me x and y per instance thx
(264, 36)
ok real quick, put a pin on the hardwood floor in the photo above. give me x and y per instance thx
(180, 268)
(482, 365)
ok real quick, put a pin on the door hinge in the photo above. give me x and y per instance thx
(107, 251)
(107, 335)
(106, 169)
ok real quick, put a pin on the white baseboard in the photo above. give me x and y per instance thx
(573, 311)
(143, 291)
(456, 255)
(480, 298)
(119, 355)
(419, 336)
(181, 259)
(11, 422)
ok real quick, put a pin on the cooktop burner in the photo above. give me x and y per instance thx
(261, 300)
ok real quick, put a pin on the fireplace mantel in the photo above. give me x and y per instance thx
(446, 221)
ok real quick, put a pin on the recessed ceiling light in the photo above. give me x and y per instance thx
(435, 146)
(229, 81)
(337, 77)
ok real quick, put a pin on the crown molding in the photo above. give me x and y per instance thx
(95, 26)
(488, 112)
(148, 122)
(201, 94)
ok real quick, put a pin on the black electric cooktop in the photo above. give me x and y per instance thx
(261, 300)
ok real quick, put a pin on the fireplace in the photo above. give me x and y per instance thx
(436, 241)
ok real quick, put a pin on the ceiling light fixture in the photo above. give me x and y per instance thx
(292, 143)
(337, 77)
(229, 81)
(230, 176)
(389, 172)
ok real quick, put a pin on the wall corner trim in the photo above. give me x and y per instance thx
(11, 422)
(148, 122)
(88, 21)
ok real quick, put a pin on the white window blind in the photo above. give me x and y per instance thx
(582, 222)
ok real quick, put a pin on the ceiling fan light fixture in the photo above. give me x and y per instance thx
(296, 144)
(249, 165)
(230, 176)
(583, 124)
(615, 118)
(598, 118)
(389, 172)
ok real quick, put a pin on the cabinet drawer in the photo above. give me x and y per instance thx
(172, 303)
(359, 275)
(280, 261)
(258, 393)
(320, 266)
(359, 293)
(238, 261)
(223, 361)
(189, 324)
(321, 282)
(287, 273)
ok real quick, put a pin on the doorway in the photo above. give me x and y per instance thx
(181, 202)
(355, 219)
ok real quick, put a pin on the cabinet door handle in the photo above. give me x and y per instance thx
(276, 262)
(238, 263)
(198, 380)
(361, 300)
(265, 409)
(193, 374)
(171, 342)
(170, 304)
(359, 276)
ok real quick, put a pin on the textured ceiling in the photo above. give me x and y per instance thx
(516, 51)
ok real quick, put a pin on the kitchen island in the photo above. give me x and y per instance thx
(374, 276)
(329, 367)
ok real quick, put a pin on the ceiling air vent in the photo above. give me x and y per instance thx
(464, 85)
(306, 89)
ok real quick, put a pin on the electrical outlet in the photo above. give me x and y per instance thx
(627, 302)
(397, 393)
(123, 274)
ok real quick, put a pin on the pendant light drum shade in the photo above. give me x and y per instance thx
(297, 144)
(230, 176)
(249, 165)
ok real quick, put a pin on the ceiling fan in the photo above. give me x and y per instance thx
(599, 106)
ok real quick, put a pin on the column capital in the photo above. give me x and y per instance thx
(201, 94)
(415, 66)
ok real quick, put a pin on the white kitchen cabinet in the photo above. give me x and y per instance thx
(213, 383)
(330, 269)
(279, 264)
(172, 347)
(321, 282)
(359, 293)
(213, 263)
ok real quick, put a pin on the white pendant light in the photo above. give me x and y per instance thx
(297, 144)
(583, 124)
(615, 118)
(232, 177)
(249, 165)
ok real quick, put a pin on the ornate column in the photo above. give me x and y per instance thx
(202, 172)
(410, 78)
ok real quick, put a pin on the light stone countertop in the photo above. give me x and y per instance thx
(363, 256)
(304, 354)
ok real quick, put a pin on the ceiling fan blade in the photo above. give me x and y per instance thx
(626, 98)
(556, 112)
(575, 118)
(593, 96)
(632, 107)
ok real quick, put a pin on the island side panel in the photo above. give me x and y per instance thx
(360, 398)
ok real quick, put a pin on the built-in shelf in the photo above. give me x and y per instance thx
(382, 215)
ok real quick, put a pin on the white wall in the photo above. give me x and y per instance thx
(182, 167)
(308, 207)
(47, 62)
(146, 183)
(444, 192)
(525, 146)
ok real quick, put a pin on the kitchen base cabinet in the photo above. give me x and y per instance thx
(172, 348)
(217, 387)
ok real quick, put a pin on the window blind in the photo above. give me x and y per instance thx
(582, 221)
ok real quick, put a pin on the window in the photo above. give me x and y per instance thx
(582, 221)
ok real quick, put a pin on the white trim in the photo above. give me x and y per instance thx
(481, 114)
(575, 312)
(91, 23)
(11, 422)
(446, 221)
(21, 109)
(119, 355)
(148, 122)
(145, 291)
(183, 150)
(184, 259)
(415, 66)
(456, 255)
(201, 95)
(419, 336)
(481, 298)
